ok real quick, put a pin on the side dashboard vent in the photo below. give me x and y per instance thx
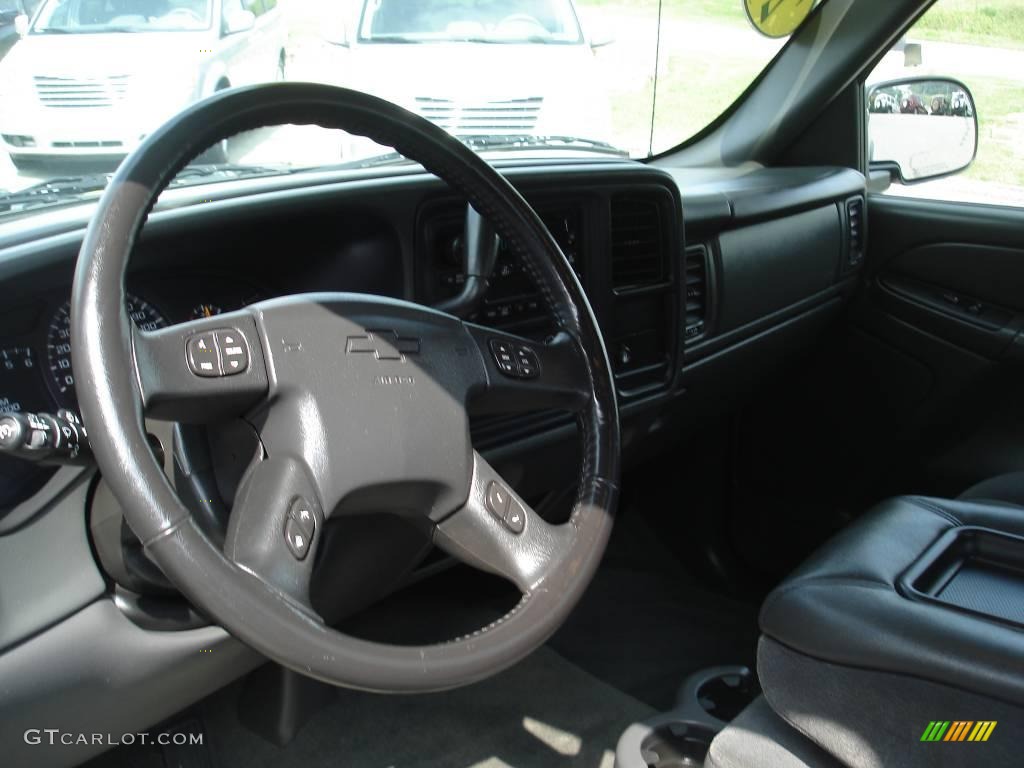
(638, 246)
(696, 291)
(856, 231)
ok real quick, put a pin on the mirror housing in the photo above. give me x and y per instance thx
(21, 24)
(239, 21)
(921, 128)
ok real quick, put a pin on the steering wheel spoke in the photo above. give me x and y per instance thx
(496, 531)
(523, 374)
(201, 370)
(276, 526)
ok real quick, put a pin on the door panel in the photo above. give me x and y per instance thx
(946, 288)
(952, 270)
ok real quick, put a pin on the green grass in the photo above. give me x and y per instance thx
(995, 23)
(1000, 104)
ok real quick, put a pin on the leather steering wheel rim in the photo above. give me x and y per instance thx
(251, 588)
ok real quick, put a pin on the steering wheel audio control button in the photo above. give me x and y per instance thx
(527, 362)
(497, 500)
(515, 518)
(517, 361)
(302, 513)
(201, 352)
(504, 357)
(233, 351)
(298, 541)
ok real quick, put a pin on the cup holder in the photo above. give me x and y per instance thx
(725, 694)
(676, 745)
(707, 701)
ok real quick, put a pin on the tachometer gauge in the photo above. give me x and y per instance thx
(58, 345)
(21, 389)
(200, 311)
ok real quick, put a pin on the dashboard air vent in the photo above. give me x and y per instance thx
(638, 246)
(696, 291)
(855, 223)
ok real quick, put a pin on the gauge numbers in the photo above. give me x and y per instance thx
(58, 344)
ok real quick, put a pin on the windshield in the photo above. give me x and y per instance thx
(523, 79)
(497, 21)
(98, 16)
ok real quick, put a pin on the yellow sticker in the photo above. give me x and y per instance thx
(777, 18)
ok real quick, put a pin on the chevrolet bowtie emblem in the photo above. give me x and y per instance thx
(383, 345)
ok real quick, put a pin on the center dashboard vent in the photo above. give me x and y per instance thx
(696, 291)
(637, 243)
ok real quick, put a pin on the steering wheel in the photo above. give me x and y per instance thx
(360, 404)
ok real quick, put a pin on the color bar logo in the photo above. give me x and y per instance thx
(958, 730)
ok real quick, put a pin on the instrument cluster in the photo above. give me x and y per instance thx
(37, 372)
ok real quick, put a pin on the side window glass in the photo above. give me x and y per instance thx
(920, 119)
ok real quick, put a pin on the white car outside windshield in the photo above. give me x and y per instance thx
(93, 77)
(88, 79)
(84, 17)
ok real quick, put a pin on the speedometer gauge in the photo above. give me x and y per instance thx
(58, 344)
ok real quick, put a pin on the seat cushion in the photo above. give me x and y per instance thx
(759, 737)
(867, 719)
(843, 604)
(1004, 489)
(861, 669)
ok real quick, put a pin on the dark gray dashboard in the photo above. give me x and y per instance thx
(698, 278)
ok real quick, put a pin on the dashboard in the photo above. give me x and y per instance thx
(700, 283)
(769, 242)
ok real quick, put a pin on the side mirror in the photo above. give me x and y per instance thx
(336, 33)
(239, 21)
(921, 128)
(21, 24)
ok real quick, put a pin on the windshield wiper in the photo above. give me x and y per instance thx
(395, 39)
(484, 144)
(57, 190)
(74, 189)
(529, 39)
(529, 141)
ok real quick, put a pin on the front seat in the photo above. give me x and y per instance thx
(911, 618)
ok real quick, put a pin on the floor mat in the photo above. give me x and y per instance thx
(645, 624)
(544, 712)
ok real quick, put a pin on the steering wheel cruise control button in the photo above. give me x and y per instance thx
(515, 518)
(201, 351)
(234, 354)
(497, 499)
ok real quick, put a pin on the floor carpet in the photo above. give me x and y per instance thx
(543, 713)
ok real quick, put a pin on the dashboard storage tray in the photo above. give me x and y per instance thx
(973, 570)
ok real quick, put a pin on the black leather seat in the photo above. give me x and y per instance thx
(860, 664)
(1004, 489)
